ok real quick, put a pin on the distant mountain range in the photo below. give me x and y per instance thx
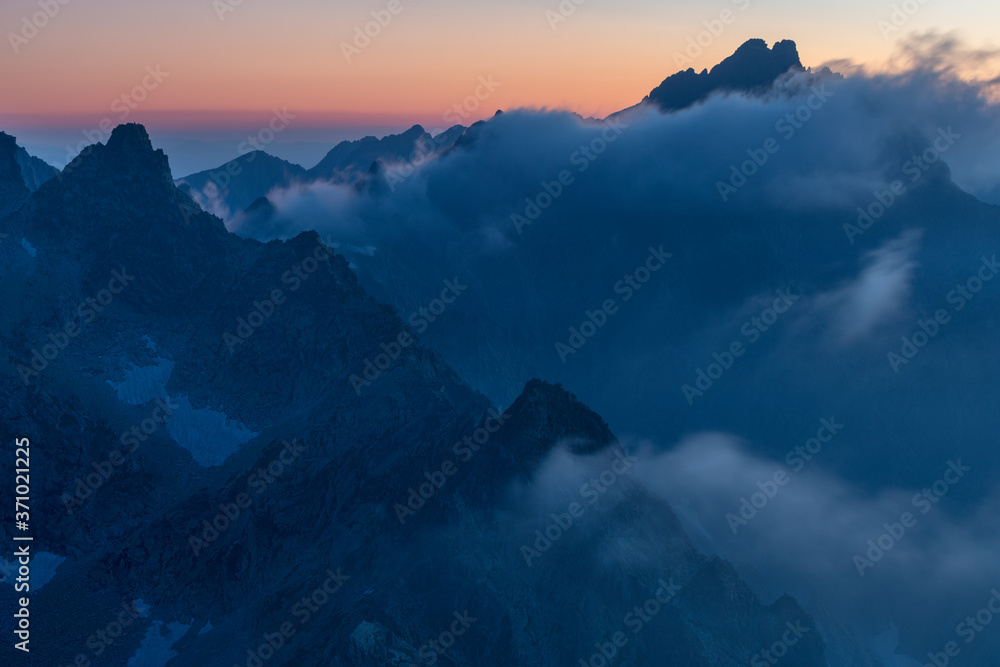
(230, 188)
(853, 215)
(438, 421)
(274, 447)
(254, 346)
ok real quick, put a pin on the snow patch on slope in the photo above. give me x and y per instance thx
(144, 384)
(209, 435)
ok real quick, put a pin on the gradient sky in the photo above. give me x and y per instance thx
(230, 71)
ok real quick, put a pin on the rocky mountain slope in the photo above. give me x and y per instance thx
(232, 187)
(285, 474)
(35, 171)
(753, 67)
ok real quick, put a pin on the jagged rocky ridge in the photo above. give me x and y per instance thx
(753, 68)
(185, 285)
(234, 186)
(230, 189)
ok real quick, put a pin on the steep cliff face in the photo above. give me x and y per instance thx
(34, 170)
(12, 187)
(274, 448)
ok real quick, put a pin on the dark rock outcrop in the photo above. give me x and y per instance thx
(345, 416)
(752, 68)
(34, 170)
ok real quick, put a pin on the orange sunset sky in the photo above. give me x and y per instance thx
(231, 61)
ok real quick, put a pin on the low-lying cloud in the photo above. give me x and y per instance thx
(596, 205)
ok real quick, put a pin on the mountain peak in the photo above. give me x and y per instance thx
(131, 137)
(129, 154)
(751, 68)
(787, 49)
(261, 205)
(349, 161)
(753, 64)
(546, 413)
(129, 147)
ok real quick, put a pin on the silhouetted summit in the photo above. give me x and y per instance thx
(752, 67)
(35, 171)
(128, 161)
(350, 160)
(545, 414)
